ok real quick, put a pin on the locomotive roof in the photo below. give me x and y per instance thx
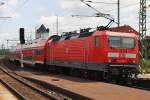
(111, 33)
(122, 34)
(124, 31)
(119, 31)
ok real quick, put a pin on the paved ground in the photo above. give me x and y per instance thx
(5, 94)
(94, 90)
(144, 76)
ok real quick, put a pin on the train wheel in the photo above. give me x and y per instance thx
(100, 76)
(84, 74)
(51, 69)
(93, 75)
(66, 71)
(74, 72)
(107, 76)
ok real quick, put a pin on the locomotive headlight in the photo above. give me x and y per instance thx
(129, 55)
(109, 60)
(113, 54)
(133, 61)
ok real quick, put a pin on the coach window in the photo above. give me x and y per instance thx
(39, 52)
(97, 41)
(36, 52)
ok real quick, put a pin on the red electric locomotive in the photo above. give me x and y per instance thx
(110, 52)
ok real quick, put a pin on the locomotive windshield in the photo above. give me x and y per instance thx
(121, 42)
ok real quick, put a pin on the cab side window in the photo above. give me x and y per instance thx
(97, 41)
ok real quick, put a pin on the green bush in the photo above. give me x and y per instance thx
(146, 66)
(3, 53)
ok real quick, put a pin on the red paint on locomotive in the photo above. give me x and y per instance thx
(99, 51)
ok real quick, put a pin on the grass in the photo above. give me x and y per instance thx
(2, 56)
(146, 66)
(3, 53)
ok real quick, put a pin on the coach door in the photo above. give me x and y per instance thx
(33, 54)
(51, 53)
(86, 53)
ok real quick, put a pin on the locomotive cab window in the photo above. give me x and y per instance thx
(114, 41)
(121, 42)
(128, 42)
(97, 41)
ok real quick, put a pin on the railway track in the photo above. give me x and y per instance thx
(56, 90)
(25, 90)
(139, 84)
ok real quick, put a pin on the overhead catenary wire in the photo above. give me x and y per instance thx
(28, 0)
(17, 9)
(100, 14)
(117, 3)
(123, 7)
(102, 2)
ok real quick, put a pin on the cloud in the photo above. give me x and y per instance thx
(12, 2)
(129, 11)
(77, 7)
(5, 36)
(41, 8)
(69, 3)
(8, 9)
(74, 7)
(129, 14)
(48, 19)
(68, 23)
(15, 15)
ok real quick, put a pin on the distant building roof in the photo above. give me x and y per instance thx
(42, 29)
(125, 28)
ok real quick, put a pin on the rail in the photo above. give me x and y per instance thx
(16, 80)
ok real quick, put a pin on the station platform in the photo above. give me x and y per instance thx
(5, 94)
(144, 76)
(92, 89)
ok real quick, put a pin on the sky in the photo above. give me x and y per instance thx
(30, 14)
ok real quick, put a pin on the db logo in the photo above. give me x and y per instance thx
(122, 54)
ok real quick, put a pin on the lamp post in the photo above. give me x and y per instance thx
(118, 12)
(57, 24)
